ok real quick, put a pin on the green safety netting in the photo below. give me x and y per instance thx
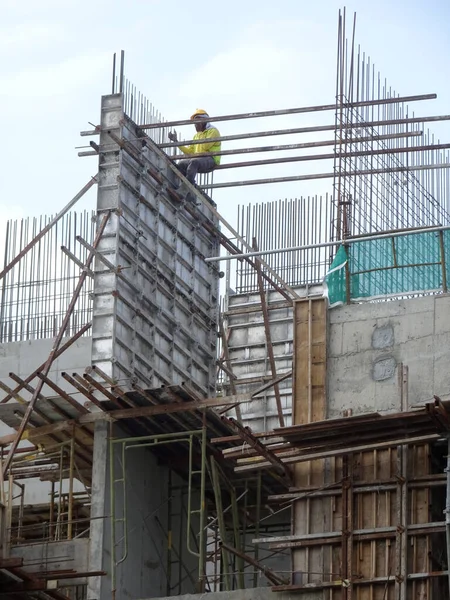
(389, 266)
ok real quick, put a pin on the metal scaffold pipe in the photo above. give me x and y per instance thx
(47, 228)
(406, 170)
(293, 111)
(332, 155)
(56, 344)
(366, 238)
(320, 144)
(312, 129)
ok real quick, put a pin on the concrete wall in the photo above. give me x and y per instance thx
(369, 346)
(369, 343)
(141, 549)
(253, 594)
(56, 556)
(22, 358)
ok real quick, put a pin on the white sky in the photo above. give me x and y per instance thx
(226, 57)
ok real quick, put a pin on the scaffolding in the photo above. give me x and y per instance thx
(220, 529)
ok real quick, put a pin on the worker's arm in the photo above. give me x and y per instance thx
(206, 146)
(184, 149)
(187, 149)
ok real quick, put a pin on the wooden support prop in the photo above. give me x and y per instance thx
(270, 352)
(421, 439)
(226, 355)
(264, 452)
(271, 575)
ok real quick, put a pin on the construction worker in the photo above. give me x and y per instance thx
(201, 161)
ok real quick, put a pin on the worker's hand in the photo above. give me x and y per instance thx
(173, 137)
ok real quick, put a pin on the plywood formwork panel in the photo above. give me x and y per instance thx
(366, 532)
(310, 515)
(374, 510)
(419, 504)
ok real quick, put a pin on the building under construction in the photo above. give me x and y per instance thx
(258, 410)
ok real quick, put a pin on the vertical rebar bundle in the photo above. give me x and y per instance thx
(385, 200)
(35, 292)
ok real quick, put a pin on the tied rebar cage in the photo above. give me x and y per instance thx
(393, 186)
(284, 224)
(389, 174)
(35, 292)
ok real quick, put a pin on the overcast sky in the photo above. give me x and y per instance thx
(225, 57)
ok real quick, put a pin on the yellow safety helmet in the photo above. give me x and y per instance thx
(199, 112)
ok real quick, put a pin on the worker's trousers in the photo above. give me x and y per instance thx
(192, 166)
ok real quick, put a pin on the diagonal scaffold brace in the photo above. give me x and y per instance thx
(56, 345)
(291, 294)
(269, 344)
(47, 228)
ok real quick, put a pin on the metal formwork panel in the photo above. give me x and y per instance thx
(155, 313)
(247, 344)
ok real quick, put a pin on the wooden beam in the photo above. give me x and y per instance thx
(262, 451)
(269, 344)
(125, 413)
(36, 432)
(16, 587)
(162, 409)
(271, 383)
(11, 562)
(273, 577)
(253, 466)
(55, 576)
(229, 367)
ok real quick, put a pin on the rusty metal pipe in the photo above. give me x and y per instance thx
(313, 129)
(409, 169)
(332, 155)
(48, 227)
(55, 347)
(320, 144)
(293, 111)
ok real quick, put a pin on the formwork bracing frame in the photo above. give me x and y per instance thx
(399, 481)
(272, 276)
(259, 456)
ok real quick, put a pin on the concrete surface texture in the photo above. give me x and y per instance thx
(380, 353)
(56, 556)
(22, 358)
(139, 515)
(263, 593)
